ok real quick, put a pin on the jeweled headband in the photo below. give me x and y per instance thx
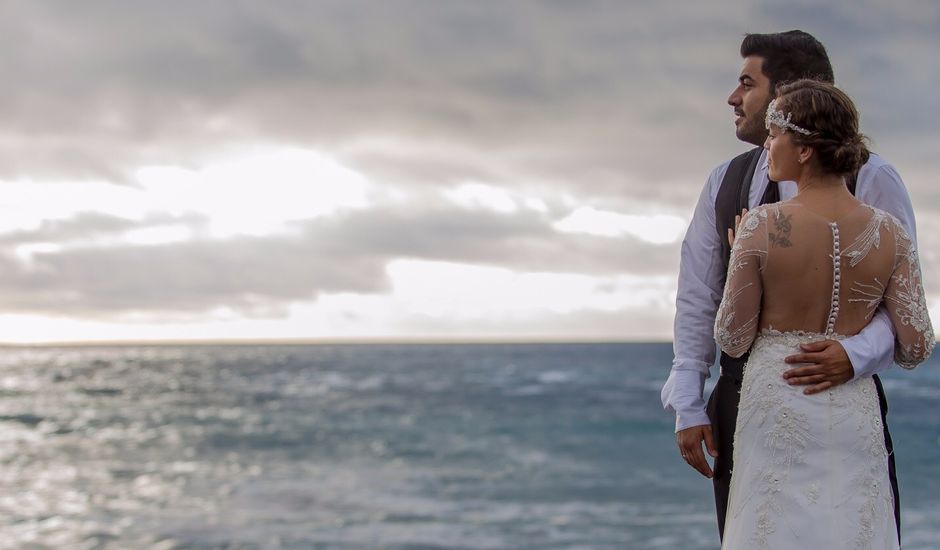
(778, 119)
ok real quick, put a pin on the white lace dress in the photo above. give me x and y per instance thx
(810, 471)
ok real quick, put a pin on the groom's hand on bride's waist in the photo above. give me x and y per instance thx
(823, 364)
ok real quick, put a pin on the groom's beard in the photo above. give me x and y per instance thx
(754, 129)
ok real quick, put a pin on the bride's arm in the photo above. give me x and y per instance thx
(739, 313)
(906, 304)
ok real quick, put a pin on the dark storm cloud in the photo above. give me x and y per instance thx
(545, 88)
(101, 87)
(106, 86)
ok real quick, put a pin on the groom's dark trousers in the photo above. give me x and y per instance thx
(733, 195)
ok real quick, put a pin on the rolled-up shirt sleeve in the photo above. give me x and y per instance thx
(701, 282)
(872, 350)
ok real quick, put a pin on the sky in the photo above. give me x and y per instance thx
(443, 170)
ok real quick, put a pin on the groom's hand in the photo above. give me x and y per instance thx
(737, 224)
(690, 447)
(828, 366)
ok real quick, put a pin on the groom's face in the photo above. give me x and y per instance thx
(749, 100)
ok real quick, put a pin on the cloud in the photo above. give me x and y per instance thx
(259, 274)
(113, 85)
(86, 226)
(597, 106)
(593, 97)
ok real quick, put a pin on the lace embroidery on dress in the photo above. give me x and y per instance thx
(878, 502)
(738, 318)
(903, 295)
(748, 254)
(786, 435)
(907, 304)
(786, 442)
(871, 294)
(868, 238)
(812, 493)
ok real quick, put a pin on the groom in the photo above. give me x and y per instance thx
(742, 183)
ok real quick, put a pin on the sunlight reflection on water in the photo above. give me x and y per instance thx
(486, 447)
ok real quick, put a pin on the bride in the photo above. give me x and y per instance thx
(810, 471)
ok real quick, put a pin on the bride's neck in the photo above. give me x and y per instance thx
(827, 195)
(821, 184)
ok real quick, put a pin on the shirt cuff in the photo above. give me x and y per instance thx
(692, 418)
(683, 395)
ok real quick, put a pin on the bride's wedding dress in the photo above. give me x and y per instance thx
(810, 471)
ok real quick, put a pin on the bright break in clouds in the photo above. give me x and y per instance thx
(401, 169)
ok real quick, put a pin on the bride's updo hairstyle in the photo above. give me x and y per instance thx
(832, 121)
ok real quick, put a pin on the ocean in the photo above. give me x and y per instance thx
(472, 446)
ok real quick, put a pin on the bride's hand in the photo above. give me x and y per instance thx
(737, 222)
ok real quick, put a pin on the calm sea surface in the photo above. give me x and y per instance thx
(545, 446)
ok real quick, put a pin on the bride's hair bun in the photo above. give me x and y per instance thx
(830, 116)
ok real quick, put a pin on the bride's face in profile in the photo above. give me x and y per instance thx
(783, 156)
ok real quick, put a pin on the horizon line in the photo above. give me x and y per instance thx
(324, 341)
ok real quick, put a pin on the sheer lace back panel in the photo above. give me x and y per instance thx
(792, 269)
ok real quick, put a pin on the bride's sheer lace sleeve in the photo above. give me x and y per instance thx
(739, 312)
(907, 305)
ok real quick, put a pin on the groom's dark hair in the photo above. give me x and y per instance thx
(789, 56)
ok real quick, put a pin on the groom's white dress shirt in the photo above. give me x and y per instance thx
(702, 280)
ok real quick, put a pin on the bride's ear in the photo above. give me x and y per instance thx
(805, 154)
